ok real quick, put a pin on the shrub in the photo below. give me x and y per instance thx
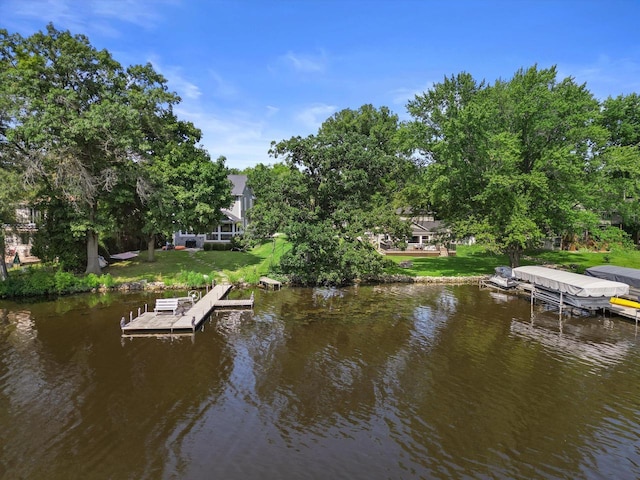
(66, 282)
(39, 280)
(216, 247)
(191, 279)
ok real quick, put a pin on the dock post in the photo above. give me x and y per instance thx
(131, 316)
(146, 308)
(193, 323)
(122, 324)
(138, 311)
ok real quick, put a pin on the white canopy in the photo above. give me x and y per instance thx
(570, 283)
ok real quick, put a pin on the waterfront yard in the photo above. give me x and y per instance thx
(171, 266)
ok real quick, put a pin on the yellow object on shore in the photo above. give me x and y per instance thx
(624, 302)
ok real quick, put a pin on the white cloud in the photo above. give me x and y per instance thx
(304, 63)
(402, 95)
(176, 81)
(606, 76)
(313, 117)
(89, 15)
(221, 87)
(231, 134)
(271, 110)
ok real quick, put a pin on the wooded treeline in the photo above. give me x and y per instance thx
(98, 148)
(510, 163)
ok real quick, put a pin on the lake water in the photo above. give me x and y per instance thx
(369, 382)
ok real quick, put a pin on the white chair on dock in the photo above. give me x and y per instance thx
(166, 305)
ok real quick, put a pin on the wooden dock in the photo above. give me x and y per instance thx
(267, 283)
(187, 321)
(623, 311)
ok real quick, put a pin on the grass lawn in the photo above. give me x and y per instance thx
(173, 265)
(468, 261)
(179, 266)
(473, 260)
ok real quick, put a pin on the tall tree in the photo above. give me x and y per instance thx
(334, 191)
(76, 116)
(185, 189)
(620, 185)
(511, 162)
(12, 188)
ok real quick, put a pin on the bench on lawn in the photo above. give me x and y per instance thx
(166, 305)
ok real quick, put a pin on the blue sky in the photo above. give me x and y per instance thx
(250, 72)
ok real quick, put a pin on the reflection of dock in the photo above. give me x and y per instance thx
(150, 322)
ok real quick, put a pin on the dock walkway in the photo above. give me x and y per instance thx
(189, 320)
(628, 312)
(270, 283)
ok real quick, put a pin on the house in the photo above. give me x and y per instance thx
(234, 219)
(19, 237)
(429, 237)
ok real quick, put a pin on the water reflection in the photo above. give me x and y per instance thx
(391, 381)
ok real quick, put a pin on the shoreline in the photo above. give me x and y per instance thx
(144, 285)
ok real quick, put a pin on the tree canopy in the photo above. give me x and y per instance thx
(331, 191)
(512, 162)
(92, 136)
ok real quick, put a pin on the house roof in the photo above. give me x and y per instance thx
(239, 184)
(230, 215)
(427, 226)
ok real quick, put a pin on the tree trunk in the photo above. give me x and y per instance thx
(4, 274)
(514, 256)
(151, 248)
(93, 264)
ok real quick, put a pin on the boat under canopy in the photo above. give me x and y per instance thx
(560, 287)
(630, 276)
(570, 283)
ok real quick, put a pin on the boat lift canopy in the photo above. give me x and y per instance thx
(570, 283)
(630, 276)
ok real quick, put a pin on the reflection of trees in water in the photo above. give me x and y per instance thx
(432, 378)
(96, 408)
(339, 352)
(500, 407)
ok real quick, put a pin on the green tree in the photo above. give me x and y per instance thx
(620, 185)
(512, 162)
(331, 192)
(12, 187)
(11, 192)
(77, 116)
(186, 189)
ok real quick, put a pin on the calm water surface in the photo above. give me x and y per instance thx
(398, 382)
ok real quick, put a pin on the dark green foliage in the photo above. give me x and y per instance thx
(34, 281)
(55, 241)
(332, 192)
(512, 162)
(216, 247)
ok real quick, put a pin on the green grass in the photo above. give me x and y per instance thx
(195, 269)
(468, 261)
(173, 266)
(474, 260)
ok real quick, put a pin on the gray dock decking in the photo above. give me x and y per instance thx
(270, 283)
(188, 321)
